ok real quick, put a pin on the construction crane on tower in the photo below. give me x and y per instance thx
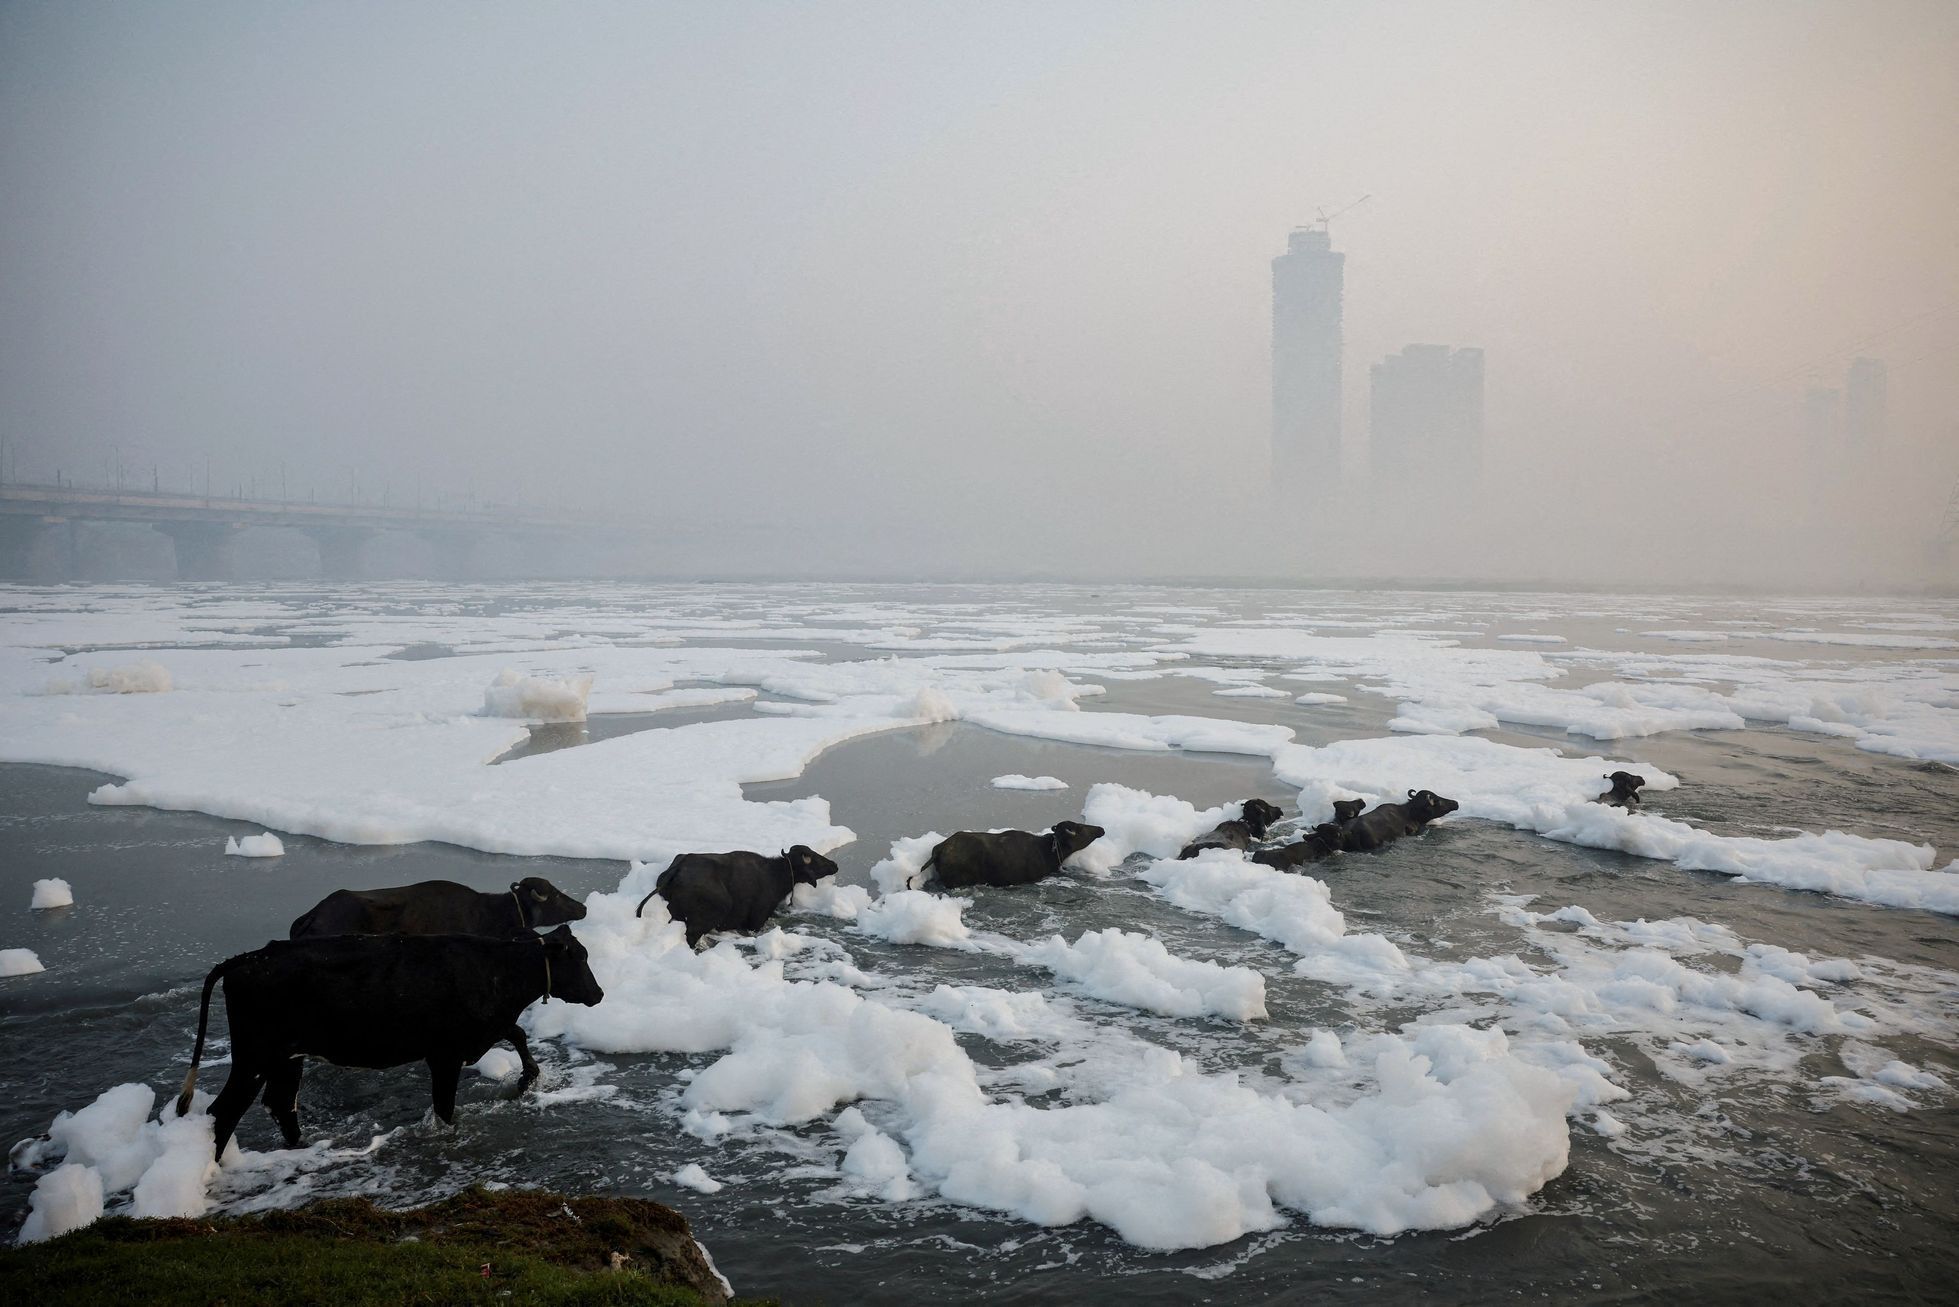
(1325, 220)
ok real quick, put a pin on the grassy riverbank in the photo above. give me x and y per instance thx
(502, 1247)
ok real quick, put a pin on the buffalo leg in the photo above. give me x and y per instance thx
(523, 1046)
(443, 1074)
(240, 1088)
(282, 1098)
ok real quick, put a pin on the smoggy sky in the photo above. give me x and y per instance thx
(985, 288)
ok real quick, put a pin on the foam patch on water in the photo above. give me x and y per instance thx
(112, 1146)
(1016, 781)
(266, 845)
(51, 893)
(19, 962)
(131, 678)
(1137, 971)
(1455, 1127)
(693, 1176)
(537, 698)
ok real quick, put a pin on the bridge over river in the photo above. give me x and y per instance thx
(39, 527)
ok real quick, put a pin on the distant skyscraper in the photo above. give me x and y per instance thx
(1822, 418)
(1306, 288)
(1425, 417)
(1864, 404)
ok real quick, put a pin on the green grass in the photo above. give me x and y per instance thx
(538, 1247)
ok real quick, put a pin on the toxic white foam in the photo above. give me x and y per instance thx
(537, 698)
(51, 893)
(1016, 781)
(1455, 1127)
(19, 962)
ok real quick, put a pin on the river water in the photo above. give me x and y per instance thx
(1768, 1174)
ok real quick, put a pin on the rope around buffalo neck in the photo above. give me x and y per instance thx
(547, 965)
(522, 920)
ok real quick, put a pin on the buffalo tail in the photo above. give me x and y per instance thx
(658, 885)
(197, 1052)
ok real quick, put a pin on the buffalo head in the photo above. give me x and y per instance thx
(1259, 815)
(1427, 805)
(1348, 809)
(544, 904)
(1071, 837)
(807, 866)
(571, 973)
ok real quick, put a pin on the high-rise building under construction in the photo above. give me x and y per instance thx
(1306, 290)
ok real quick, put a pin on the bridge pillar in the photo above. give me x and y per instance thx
(341, 550)
(36, 548)
(203, 549)
(455, 551)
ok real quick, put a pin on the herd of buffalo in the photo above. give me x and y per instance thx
(439, 973)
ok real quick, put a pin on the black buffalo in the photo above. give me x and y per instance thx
(1345, 810)
(375, 1001)
(734, 891)
(1257, 818)
(1390, 821)
(442, 907)
(1008, 857)
(1322, 841)
(1625, 790)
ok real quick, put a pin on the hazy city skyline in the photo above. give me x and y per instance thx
(737, 268)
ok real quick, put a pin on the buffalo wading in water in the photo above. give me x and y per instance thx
(1625, 790)
(1323, 841)
(708, 892)
(1390, 821)
(442, 907)
(375, 1001)
(1254, 820)
(1008, 857)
